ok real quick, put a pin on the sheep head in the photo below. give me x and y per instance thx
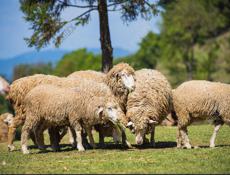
(4, 86)
(140, 129)
(7, 118)
(121, 78)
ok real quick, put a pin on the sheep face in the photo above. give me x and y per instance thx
(9, 119)
(4, 87)
(127, 80)
(140, 133)
(113, 112)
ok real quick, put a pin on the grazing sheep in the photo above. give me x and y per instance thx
(121, 80)
(5, 120)
(199, 100)
(149, 103)
(18, 90)
(4, 86)
(84, 106)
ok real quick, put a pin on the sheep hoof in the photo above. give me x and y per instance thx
(11, 148)
(128, 144)
(212, 146)
(81, 149)
(25, 151)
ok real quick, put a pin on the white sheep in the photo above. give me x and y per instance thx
(19, 89)
(121, 80)
(148, 104)
(199, 100)
(83, 106)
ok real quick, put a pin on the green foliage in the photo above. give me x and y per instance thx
(3, 105)
(77, 60)
(23, 70)
(147, 55)
(45, 19)
(166, 158)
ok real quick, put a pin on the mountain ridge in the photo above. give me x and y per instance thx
(47, 56)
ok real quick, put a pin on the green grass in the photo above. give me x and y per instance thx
(166, 158)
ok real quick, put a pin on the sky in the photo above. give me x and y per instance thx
(13, 30)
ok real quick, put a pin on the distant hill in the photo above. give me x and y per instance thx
(50, 56)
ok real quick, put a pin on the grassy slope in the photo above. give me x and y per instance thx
(166, 158)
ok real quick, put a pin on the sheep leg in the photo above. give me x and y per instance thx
(185, 139)
(72, 137)
(38, 132)
(33, 138)
(152, 137)
(179, 139)
(10, 139)
(78, 130)
(26, 129)
(124, 140)
(101, 139)
(91, 139)
(54, 138)
(216, 129)
(116, 136)
(12, 130)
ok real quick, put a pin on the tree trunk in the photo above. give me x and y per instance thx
(106, 47)
(189, 63)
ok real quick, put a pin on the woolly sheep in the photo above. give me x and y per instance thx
(149, 103)
(5, 120)
(199, 100)
(80, 107)
(121, 80)
(4, 86)
(18, 90)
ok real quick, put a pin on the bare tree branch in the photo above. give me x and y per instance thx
(88, 11)
(78, 6)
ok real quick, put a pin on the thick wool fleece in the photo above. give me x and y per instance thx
(200, 100)
(151, 99)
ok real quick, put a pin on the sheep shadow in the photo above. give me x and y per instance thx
(158, 145)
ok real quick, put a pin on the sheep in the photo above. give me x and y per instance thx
(89, 75)
(18, 90)
(121, 80)
(5, 120)
(83, 106)
(4, 86)
(148, 104)
(199, 100)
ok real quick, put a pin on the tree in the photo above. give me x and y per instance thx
(77, 60)
(23, 70)
(186, 23)
(147, 55)
(46, 22)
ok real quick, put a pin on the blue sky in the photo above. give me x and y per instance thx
(13, 28)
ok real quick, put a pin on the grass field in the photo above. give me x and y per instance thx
(165, 158)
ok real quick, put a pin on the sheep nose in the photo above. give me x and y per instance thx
(139, 142)
(7, 89)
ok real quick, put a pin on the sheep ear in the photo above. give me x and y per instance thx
(99, 111)
(130, 124)
(153, 122)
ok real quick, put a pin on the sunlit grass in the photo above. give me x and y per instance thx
(166, 158)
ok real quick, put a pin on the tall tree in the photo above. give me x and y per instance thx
(47, 25)
(186, 23)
